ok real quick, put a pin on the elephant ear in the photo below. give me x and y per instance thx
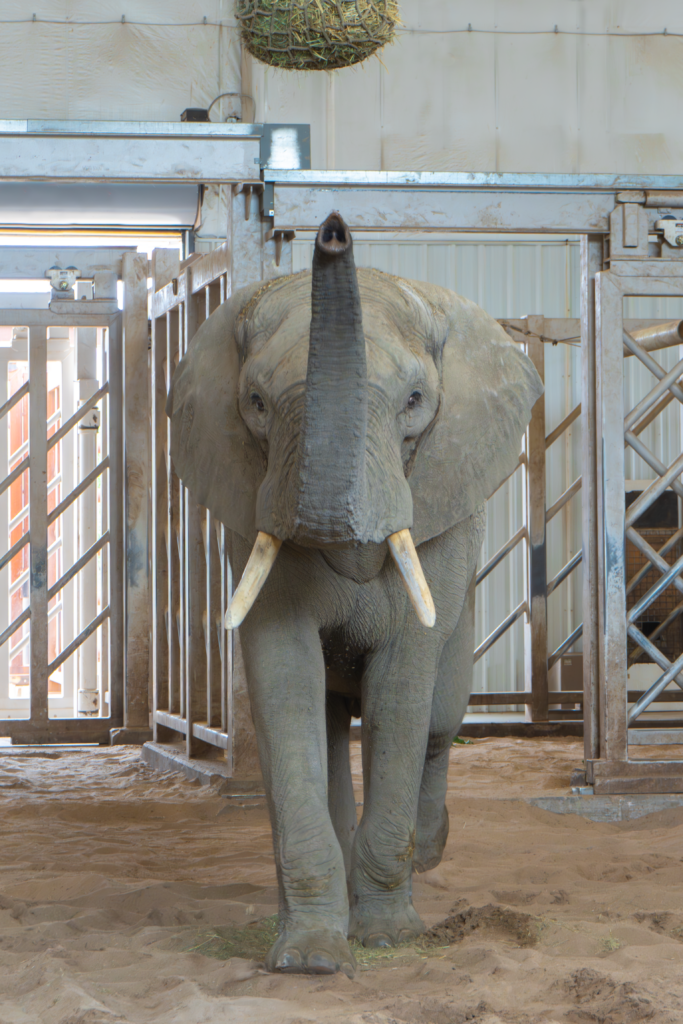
(489, 387)
(212, 451)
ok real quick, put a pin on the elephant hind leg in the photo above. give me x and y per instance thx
(340, 796)
(451, 694)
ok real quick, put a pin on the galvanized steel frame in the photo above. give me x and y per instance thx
(39, 727)
(192, 652)
(411, 202)
(610, 768)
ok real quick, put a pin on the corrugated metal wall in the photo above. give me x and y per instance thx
(513, 279)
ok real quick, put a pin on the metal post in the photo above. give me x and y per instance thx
(116, 557)
(160, 538)
(88, 696)
(164, 544)
(137, 701)
(611, 512)
(37, 368)
(591, 263)
(537, 711)
(195, 565)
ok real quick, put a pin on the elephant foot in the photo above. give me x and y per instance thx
(430, 842)
(379, 929)
(301, 950)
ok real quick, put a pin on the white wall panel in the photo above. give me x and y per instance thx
(78, 61)
(514, 96)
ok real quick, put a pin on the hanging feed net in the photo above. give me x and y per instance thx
(316, 35)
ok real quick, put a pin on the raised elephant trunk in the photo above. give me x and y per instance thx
(332, 497)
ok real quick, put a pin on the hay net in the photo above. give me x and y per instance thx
(316, 35)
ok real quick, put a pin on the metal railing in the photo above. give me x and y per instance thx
(192, 652)
(640, 339)
(38, 575)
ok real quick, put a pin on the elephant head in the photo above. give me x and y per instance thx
(338, 408)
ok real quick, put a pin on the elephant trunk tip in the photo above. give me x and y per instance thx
(334, 237)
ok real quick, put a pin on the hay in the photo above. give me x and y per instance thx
(316, 35)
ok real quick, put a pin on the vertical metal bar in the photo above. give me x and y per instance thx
(136, 427)
(246, 238)
(85, 351)
(5, 516)
(68, 464)
(161, 538)
(537, 711)
(182, 560)
(591, 263)
(103, 339)
(182, 601)
(173, 531)
(37, 369)
(611, 514)
(207, 532)
(195, 598)
(194, 588)
(116, 625)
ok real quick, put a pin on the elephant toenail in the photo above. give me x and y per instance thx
(289, 961)
(321, 963)
(405, 935)
(378, 941)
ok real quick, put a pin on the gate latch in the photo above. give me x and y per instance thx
(672, 229)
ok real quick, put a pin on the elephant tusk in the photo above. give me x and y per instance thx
(408, 564)
(261, 559)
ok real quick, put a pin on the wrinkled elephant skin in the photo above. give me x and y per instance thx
(324, 414)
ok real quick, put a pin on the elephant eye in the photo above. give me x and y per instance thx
(257, 401)
(414, 400)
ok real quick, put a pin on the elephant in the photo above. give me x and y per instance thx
(346, 426)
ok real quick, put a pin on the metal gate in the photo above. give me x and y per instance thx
(534, 332)
(193, 654)
(62, 598)
(625, 597)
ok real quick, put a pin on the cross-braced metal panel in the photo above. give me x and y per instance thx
(532, 537)
(61, 599)
(639, 567)
(192, 651)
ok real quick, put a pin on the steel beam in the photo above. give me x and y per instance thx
(84, 155)
(432, 209)
(18, 262)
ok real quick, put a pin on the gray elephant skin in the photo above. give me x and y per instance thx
(323, 414)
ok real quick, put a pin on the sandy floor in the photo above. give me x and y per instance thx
(111, 873)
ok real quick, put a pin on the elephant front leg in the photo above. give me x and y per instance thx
(285, 673)
(396, 713)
